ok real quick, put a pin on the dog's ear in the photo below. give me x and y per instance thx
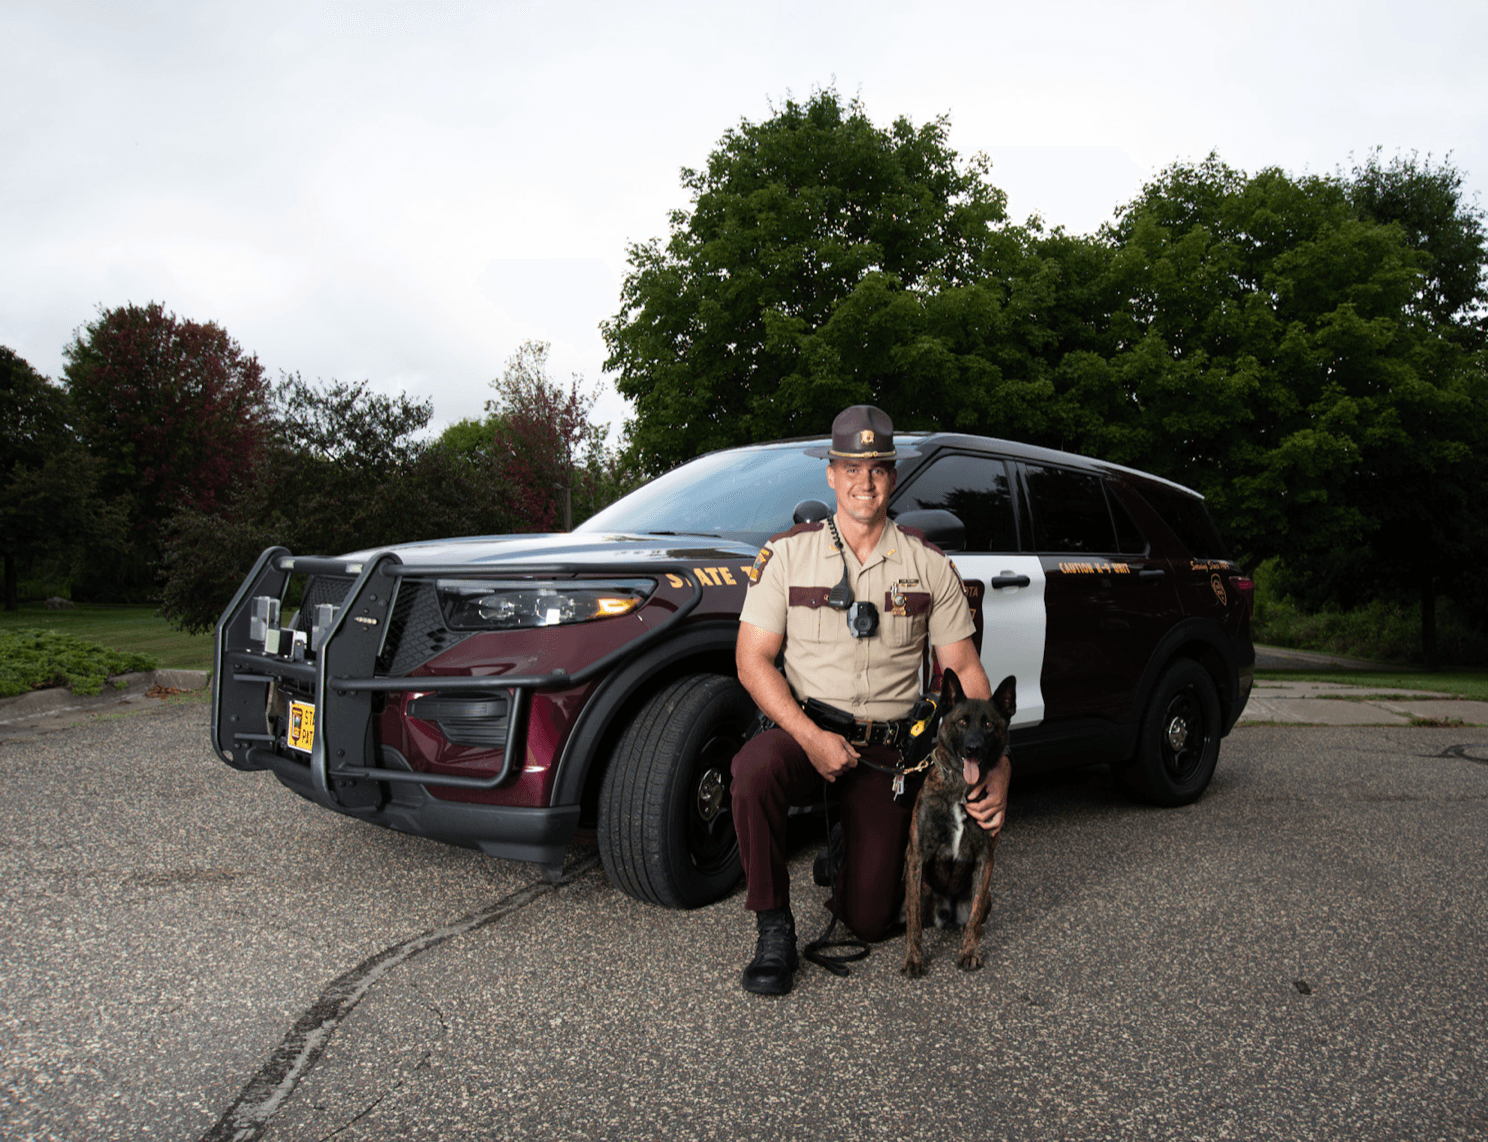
(1005, 697)
(951, 693)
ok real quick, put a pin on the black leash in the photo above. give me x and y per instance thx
(816, 950)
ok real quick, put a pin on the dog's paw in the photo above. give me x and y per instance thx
(914, 967)
(970, 961)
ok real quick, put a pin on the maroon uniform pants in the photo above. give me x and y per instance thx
(772, 773)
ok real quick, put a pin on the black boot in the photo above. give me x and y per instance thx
(774, 964)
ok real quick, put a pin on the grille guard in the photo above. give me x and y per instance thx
(342, 679)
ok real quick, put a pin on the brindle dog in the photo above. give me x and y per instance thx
(948, 864)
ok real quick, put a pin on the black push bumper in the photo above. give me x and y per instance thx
(345, 770)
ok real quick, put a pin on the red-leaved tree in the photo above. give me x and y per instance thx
(173, 409)
(550, 454)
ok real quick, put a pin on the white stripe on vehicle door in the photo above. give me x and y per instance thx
(1013, 626)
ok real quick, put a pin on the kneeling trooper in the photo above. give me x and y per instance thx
(851, 600)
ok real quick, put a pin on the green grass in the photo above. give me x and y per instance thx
(127, 629)
(1462, 683)
(33, 659)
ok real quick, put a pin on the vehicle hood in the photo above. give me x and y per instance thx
(597, 550)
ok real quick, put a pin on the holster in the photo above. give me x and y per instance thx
(857, 731)
(924, 726)
(830, 718)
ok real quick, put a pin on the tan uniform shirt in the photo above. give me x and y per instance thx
(876, 677)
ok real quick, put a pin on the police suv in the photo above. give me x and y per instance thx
(516, 693)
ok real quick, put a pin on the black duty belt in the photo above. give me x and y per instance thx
(857, 731)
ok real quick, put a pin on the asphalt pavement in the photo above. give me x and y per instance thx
(191, 952)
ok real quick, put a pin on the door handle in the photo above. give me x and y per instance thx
(1150, 575)
(1007, 579)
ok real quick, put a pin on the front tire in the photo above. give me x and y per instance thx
(666, 827)
(1179, 743)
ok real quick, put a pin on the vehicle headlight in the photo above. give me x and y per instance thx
(520, 603)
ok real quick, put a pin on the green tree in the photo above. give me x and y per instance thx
(343, 469)
(349, 426)
(469, 437)
(346, 468)
(1285, 352)
(343, 454)
(50, 509)
(175, 411)
(1437, 550)
(33, 430)
(796, 283)
(1308, 351)
(1426, 200)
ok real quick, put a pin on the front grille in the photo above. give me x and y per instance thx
(320, 589)
(416, 630)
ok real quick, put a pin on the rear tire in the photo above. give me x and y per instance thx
(666, 827)
(1178, 747)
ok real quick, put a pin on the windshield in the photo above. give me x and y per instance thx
(747, 494)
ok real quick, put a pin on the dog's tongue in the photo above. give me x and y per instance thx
(970, 770)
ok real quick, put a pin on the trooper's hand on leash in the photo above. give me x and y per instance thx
(829, 753)
(986, 801)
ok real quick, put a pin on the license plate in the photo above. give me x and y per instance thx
(301, 726)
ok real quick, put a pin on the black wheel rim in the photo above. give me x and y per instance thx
(1183, 736)
(711, 843)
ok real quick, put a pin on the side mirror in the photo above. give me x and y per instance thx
(941, 527)
(811, 511)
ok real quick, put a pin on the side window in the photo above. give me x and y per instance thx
(1069, 510)
(1189, 519)
(976, 490)
(1129, 537)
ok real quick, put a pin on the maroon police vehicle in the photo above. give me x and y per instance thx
(514, 693)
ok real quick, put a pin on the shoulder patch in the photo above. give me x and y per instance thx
(964, 589)
(759, 565)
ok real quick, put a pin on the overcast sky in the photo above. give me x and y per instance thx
(405, 192)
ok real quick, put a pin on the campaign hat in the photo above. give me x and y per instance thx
(862, 432)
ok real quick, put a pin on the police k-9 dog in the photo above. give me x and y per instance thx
(948, 865)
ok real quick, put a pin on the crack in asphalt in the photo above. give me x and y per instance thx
(361, 1114)
(249, 1115)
